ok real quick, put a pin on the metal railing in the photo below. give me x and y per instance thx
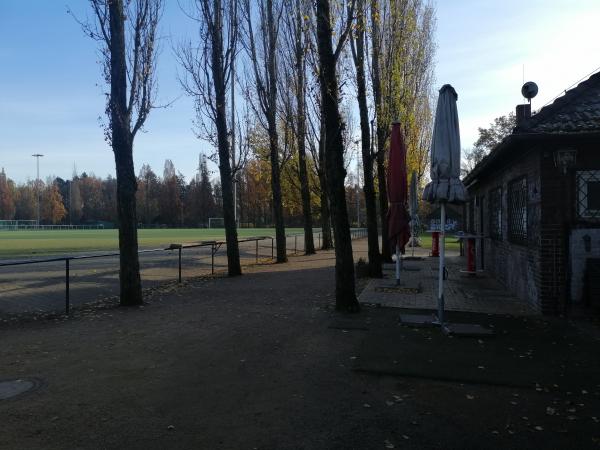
(356, 233)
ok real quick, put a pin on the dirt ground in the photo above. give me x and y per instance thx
(263, 361)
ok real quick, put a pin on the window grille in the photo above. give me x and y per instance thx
(517, 210)
(496, 213)
(588, 194)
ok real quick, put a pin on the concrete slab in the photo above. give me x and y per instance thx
(418, 320)
(12, 388)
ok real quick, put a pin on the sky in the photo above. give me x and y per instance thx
(51, 89)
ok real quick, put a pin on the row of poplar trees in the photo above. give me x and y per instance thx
(295, 61)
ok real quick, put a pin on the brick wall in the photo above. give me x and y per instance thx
(516, 265)
(560, 246)
(546, 270)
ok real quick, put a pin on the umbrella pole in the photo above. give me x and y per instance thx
(397, 265)
(442, 258)
(412, 239)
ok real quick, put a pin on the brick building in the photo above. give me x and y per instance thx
(536, 200)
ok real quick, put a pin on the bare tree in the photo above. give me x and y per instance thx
(315, 116)
(128, 48)
(357, 41)
(293, 54)
(345, 291)
(402, 42)
(382, 126)
(264, 89)
(207, 68)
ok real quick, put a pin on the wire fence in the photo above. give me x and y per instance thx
(29, 227)
(58, 283)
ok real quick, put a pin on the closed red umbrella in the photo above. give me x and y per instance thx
(397, 185)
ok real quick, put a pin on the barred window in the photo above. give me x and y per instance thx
(588, 194)
(517, 210)
(496, 213)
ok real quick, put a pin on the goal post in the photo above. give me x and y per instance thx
(216, 222)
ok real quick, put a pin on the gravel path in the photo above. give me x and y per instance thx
(258, 361)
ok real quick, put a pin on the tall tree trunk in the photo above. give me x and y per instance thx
(273, 138)
(382, 128)
(233, 252)
(122, 143)
(345, 292)
(326, 239)
(368, 187)
(309, 245)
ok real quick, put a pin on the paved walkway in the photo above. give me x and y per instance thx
(419, 288)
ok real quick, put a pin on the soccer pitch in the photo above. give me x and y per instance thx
(53, 242)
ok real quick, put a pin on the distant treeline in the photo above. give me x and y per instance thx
(161, 201)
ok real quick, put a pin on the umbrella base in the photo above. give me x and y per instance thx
(470, 273)
(413, 258)
(417, 320)
(466, 329)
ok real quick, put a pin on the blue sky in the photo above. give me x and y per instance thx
(51, 87)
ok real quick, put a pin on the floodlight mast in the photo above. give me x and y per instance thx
(37, 156)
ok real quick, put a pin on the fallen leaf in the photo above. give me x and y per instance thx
(388, 444)
(539, 428)
(470, 397)
(366, 405)
(550, 411)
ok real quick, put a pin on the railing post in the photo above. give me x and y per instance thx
(257, 251)
(212, 258)
(179, 263)
(319, 239)
(67, 300)
(272, 249)
(295, 244)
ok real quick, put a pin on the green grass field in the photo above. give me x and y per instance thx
(53, 242)
(36, 243)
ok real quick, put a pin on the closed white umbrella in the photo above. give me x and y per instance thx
(445, 186)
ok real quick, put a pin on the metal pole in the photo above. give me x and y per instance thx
(295, 244)
(70, 202)
(397, 265)
(257, 251)
(272, 249)
(212, 262)
(37, 156)
(235, 202)
(179, 264)
(67, 300)
(441, 267)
